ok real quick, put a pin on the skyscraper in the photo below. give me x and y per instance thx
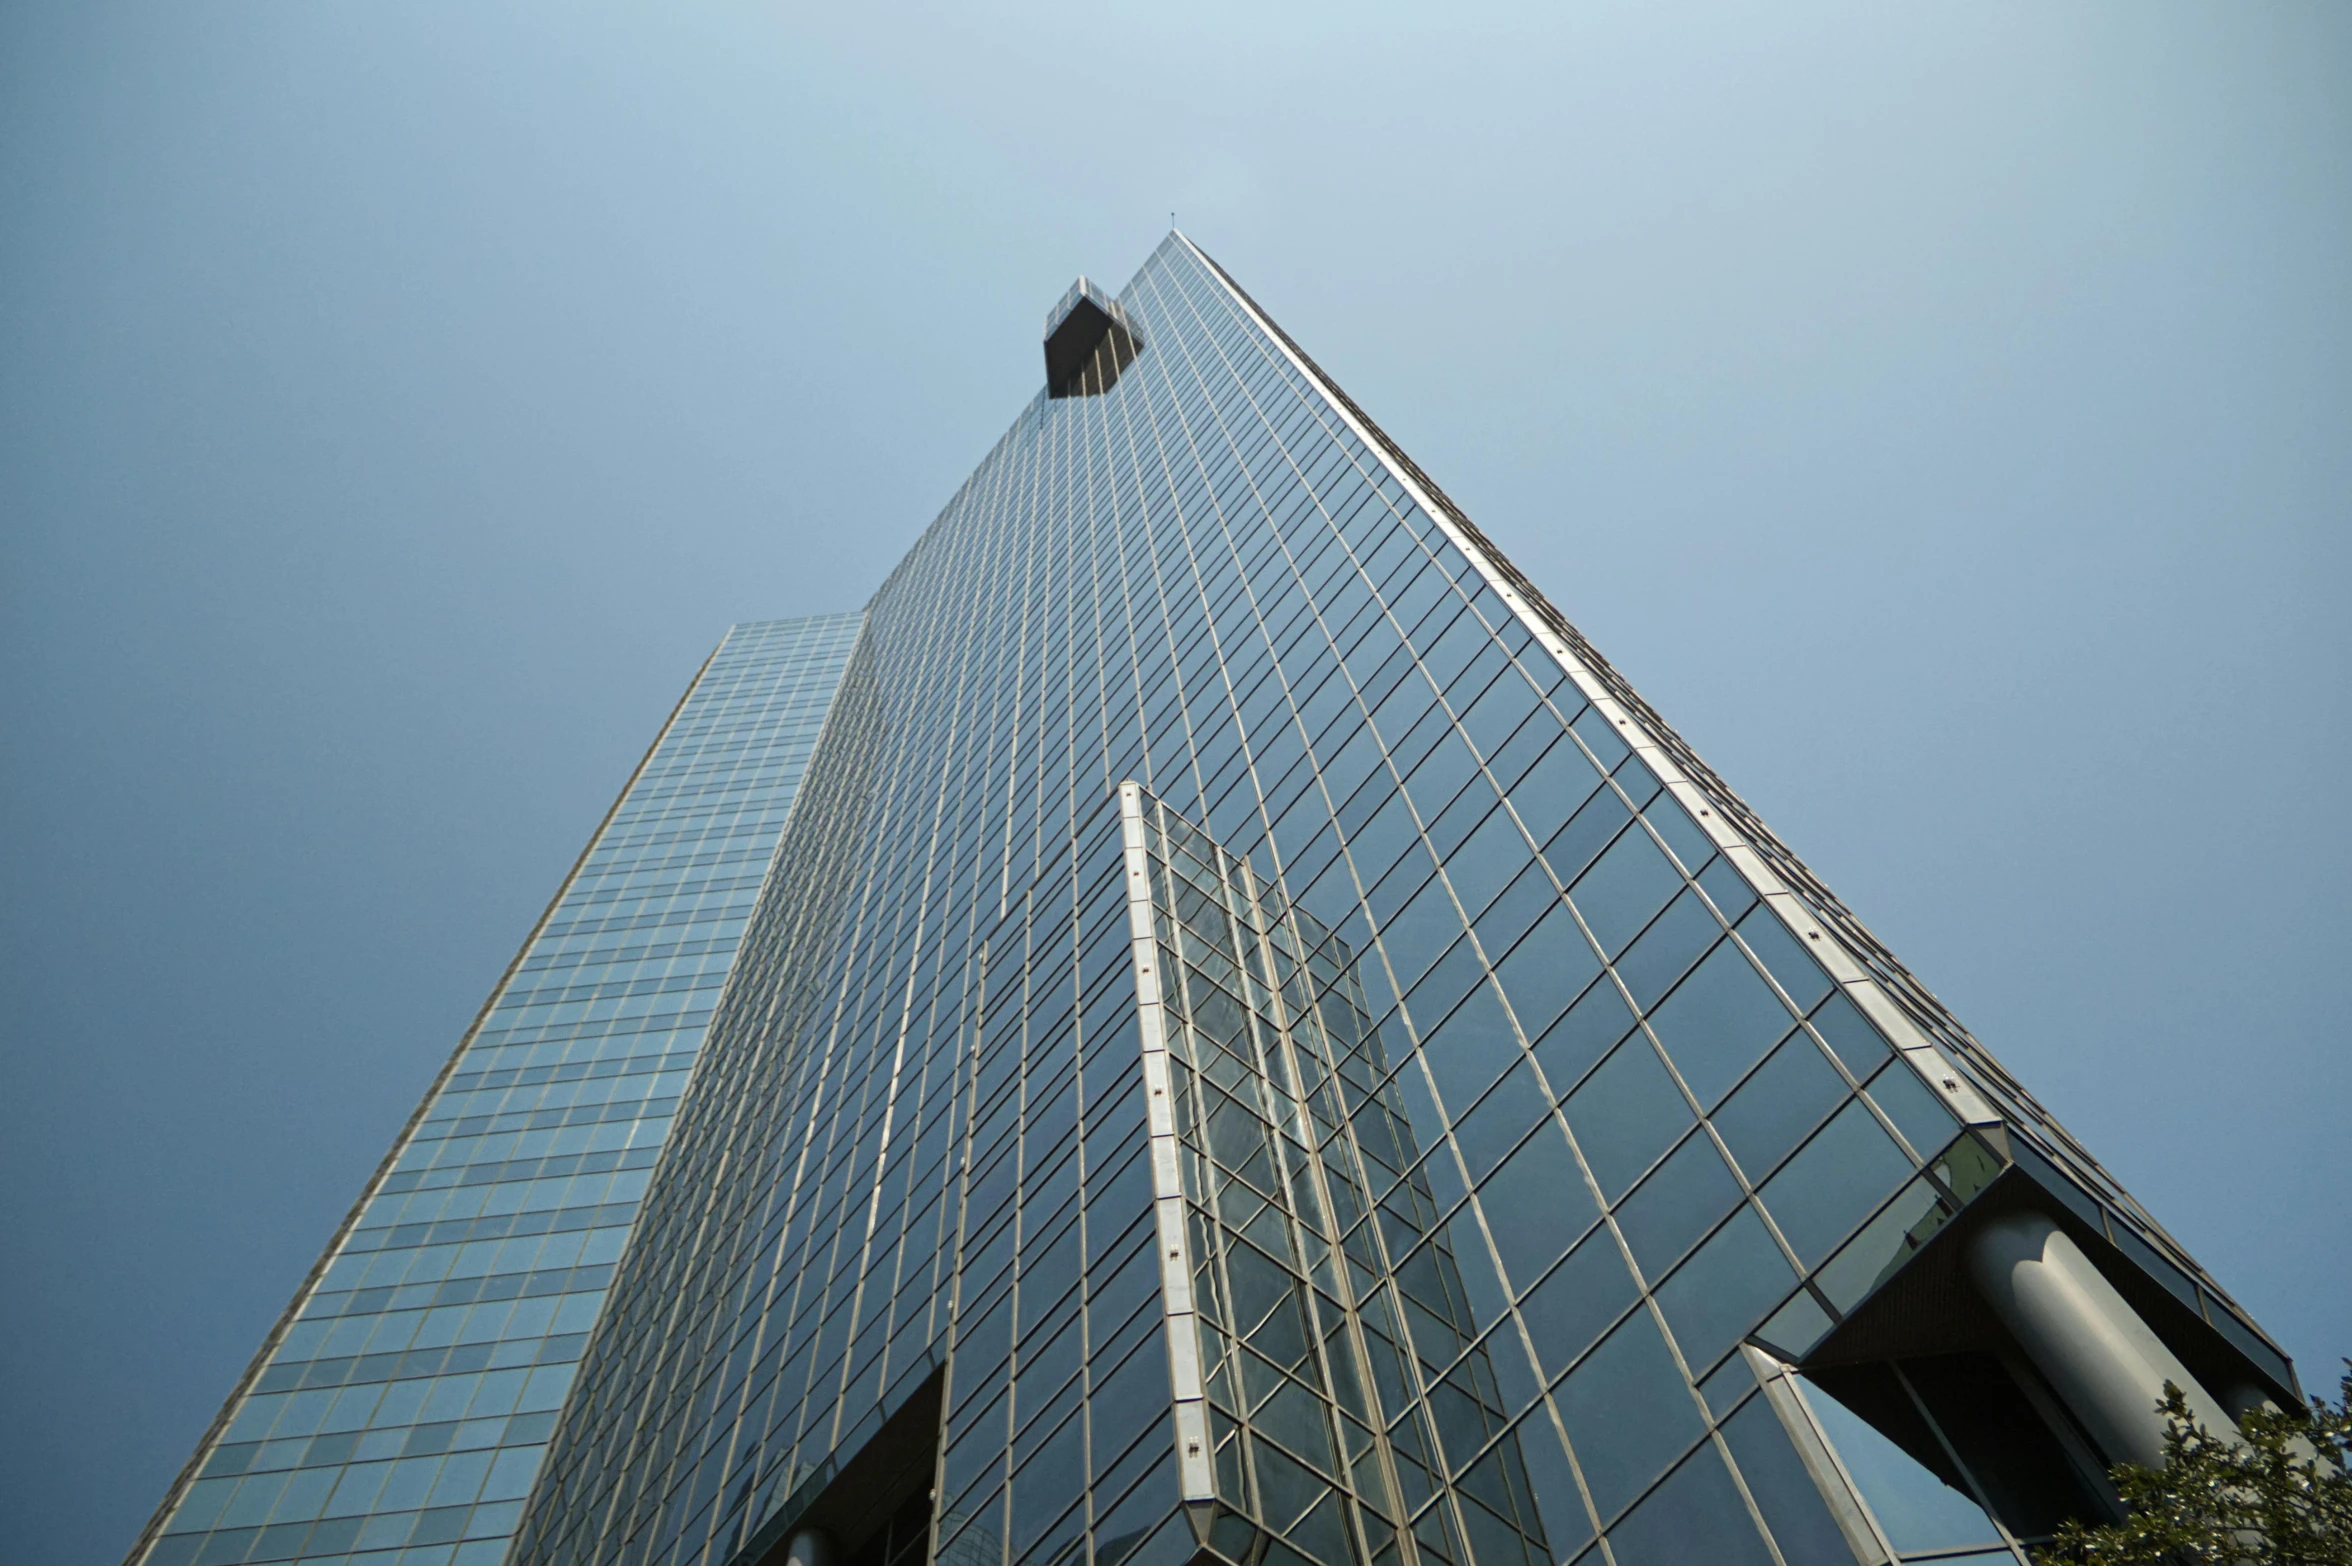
(405, 1397)
(1253, 1043)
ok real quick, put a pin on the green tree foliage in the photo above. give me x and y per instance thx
(2276, 1492)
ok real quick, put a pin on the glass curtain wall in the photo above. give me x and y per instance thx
(1615, 1099)
(400, 1410)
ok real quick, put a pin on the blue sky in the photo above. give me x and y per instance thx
(1942, 412)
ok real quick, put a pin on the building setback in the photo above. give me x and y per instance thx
(1251, 1043)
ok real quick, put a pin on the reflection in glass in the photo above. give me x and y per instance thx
(1920, 1507)
(1297, 1122)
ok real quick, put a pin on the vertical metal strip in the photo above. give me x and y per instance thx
(1195, 1470)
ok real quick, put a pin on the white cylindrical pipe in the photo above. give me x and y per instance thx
(809, 1547)
(2093, 1348)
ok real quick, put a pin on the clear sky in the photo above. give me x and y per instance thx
(1942, 412)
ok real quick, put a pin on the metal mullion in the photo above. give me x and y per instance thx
(1195, 1455)
(1348, 1326)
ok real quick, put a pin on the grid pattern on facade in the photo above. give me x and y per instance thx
(1874, 975)
(1286, 1132)
(1058, 1382)
(402, 1409)
(1614, 1116)
(1338, 1335)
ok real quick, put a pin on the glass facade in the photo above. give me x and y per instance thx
(1256, 1045)
(401, 1408)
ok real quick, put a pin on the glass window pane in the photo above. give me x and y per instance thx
(1465, 815)
(1603, 736)
(1665, 1216)
(1526, 900)
(1554, 788)
(1624, 890)
(1382, 839)
(1719, 1021)
(1785, 1493)
(1916, 1112)
(1574, 1306)
(1565, 1523)
(1501, 1118)
(1733, 896)
(1441, 774)
(1128, 1399)
(1522, 750)
(1696, 1515)
(1628, 1412)
(1477, 1272)
(1434, 994)
(1484, 863)
(1849, 1035)
(1548, 969)
(1536, 1205)
(1682, 834)
(1896, 1462)
(1496, 715)
(1785, 957)
(1588, 832)
(1848, 1168)
(1641, 785)
(1413, 870)
(1626, 1114)
(1123, 1526)
(1569, 1049)
(1667, 949)
(1416, 937)
(1788, 1096)
(1472, 1047)
(1722, 1293)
